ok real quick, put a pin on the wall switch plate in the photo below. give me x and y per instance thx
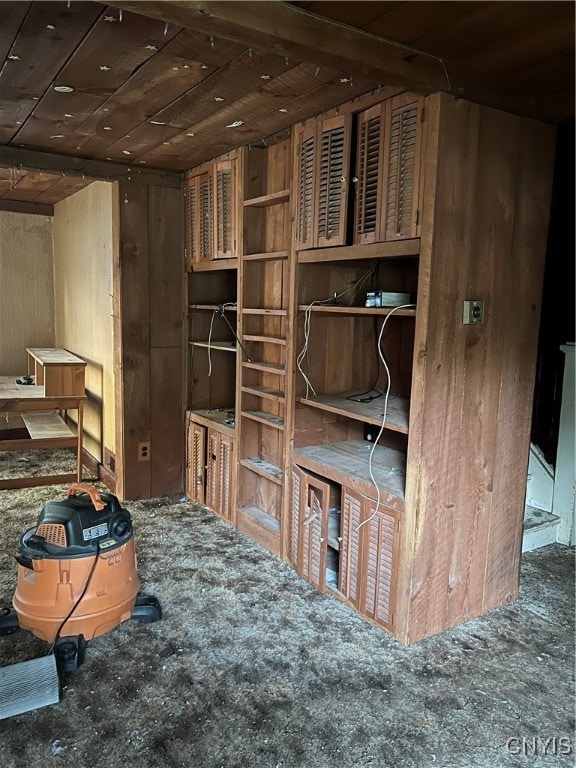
(473, 312)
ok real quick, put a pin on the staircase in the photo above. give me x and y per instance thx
(541, 526)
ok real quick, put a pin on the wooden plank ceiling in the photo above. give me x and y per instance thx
(167, 85)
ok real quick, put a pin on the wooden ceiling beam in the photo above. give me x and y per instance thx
(301, 36)
(15, 157)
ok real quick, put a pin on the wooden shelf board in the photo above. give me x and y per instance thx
(260, 526)
(371, 413)
(273, 198)
(277, 422)
(264, 469)
(347, 463)
(391, 250)
(277, 370)
(214, 418)
(266, 256)
(220, 346)
(271, 394)
(213, 307)
(213, 265)
(264, 311)
(333, 309)
(264, 339)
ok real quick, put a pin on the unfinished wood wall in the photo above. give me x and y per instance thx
(84, 245)
(26, 284)
(483, 237)
(149, 312)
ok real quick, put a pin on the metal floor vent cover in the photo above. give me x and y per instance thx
(28, 685)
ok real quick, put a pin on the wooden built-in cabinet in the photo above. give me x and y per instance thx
(381, 450)
(210, 462)
(211, 212)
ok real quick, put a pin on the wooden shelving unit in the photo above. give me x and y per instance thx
(376, 449)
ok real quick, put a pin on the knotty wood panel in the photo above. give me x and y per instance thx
(166, 266)
(166, 420)
(133, 373)
(473, 224)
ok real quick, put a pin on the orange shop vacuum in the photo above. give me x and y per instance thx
(77, 579)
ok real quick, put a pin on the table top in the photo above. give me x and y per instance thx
(55, 356)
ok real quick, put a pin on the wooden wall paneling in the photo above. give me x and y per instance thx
(166, 421)
(434, 428)
(131, 281)
(166, 270)
(523, 289)
(486, 347)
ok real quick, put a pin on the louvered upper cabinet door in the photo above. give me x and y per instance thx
(368, 176)
(305, 187)
(205, 225)
(224, 180)
(333, 149)
(195, 462)
(191, 217)
(401, 167)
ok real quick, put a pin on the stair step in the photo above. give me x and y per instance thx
(540, 528)
(538, 518)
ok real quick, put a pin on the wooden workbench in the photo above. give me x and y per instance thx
(62, 374)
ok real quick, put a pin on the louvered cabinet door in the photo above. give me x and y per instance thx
(310, 526)
(350, 555)
(402, 167)
(195, 460)
(225, 476)
(212, 473)
(368, 175)
(191, 218)
(205, 225)
(224, 185)
(305, 187)
(296, 510)
(333, 149)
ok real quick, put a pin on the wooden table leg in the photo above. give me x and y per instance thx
(80, 435)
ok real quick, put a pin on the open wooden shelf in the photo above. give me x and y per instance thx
(213, 307)
(264, 339)
(265, 418)
(214, 418)
(264, 311)
(372, 413)
(264, 469)
(272, 198)
(213, 265)
(266, 256)
(396, 249)
(347, 463)
(219, 346)
(334, 309)
(278, 370)
(261, 526)
(271, 394)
